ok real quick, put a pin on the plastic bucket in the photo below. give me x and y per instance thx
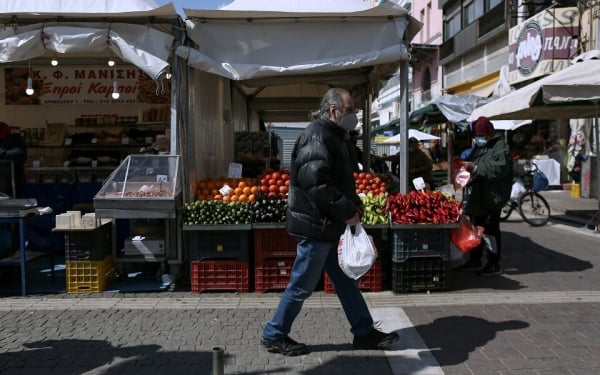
(575, 191)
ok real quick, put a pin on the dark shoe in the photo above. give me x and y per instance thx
(471, 265)
(490, 270)
(376, 340)
(285, 346)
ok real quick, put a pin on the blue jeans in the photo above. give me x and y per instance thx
(311, 257)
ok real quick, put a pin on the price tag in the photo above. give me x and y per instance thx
(226, 189)
(162, 178)
(68, 141)
(36, 164)
(419, 183)
(235, 170)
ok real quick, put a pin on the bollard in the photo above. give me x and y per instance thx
(218, 367)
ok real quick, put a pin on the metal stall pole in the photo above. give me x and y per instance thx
(403, 128)
(366, 133)
(218, 365)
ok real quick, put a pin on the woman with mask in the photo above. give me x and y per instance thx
(488, 189)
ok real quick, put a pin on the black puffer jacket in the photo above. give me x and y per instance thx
(322, 195)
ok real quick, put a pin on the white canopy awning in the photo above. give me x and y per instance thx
(103, 28)
(254, 39)
(285, 54)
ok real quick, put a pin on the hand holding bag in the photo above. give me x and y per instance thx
(467, 236)
(356, 252)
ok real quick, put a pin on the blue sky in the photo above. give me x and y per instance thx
(194, 4)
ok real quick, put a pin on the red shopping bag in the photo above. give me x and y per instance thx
(467, 236)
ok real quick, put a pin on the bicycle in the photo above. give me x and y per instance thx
(532, 207)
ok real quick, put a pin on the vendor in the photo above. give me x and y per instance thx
(419, 163)
(12, 147)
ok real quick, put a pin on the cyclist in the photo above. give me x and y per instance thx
(488, 189)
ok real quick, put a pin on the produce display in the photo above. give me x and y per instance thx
(269, 210)
(373, 209)
(216, 212)
(227, 190)
(418, 207)
(275, 184)
(369, 183)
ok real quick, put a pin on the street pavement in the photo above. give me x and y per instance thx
(539, 317)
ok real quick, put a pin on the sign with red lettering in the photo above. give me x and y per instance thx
(87, 85)
(543, 44)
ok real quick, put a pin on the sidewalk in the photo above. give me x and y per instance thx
(574, 211)
(539, 317)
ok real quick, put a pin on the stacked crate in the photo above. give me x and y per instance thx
(220, 258)
(89, 276)
(420, 257)
(274, 253)
(89, 265)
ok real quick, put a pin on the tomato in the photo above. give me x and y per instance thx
(285, 176)
(267, 177)
(264, 189)
(272, 181)
(377, 180)
(264, 181)
(273, 188)
(361, 187)
(355, 174)
(361, 175)
(283, 189)
(287, 183)
(280, 183)
(276, 175)
(368, 176)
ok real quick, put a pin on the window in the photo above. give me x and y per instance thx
(452, 26)
(452, 21)
(473, 11)
(494, 3)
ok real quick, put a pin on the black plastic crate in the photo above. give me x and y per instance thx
(225, 244)
(93, 244)
(420, 274)
(426, 242)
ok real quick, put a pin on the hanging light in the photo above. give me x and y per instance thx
(115, 94)
(111, 62)
(29, 90)
(54, 61)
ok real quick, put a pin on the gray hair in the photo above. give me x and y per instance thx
(332, 97)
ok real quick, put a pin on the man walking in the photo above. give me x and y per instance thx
(321, 201)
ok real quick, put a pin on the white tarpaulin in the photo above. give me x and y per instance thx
(509, 124)
(262, 38)
(413, 133)
(141, 45)
(569, 93)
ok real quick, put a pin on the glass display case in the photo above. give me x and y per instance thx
(142, 182)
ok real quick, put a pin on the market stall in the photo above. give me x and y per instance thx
(85, 86)
(260, 71)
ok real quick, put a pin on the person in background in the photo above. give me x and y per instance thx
(12, 147)
(488, 189)
(321, 202)
(355, 152)
(419, 163)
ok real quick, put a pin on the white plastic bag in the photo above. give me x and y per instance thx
(356, 252)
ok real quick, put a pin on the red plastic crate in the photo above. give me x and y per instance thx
(273, 243)
(370, 281)
(273, 274)
(220, 275)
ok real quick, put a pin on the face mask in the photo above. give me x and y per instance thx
(349, 122)
(480, 141)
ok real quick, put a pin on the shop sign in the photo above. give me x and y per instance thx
(86, 85)
(543, 44)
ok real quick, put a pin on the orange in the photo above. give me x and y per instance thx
(233, 198)
(226, 198)
(252, 198)
(246, 190)
(254, 189)
(243, 198)
(242, 184)
(238, 191)
(218, 197)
